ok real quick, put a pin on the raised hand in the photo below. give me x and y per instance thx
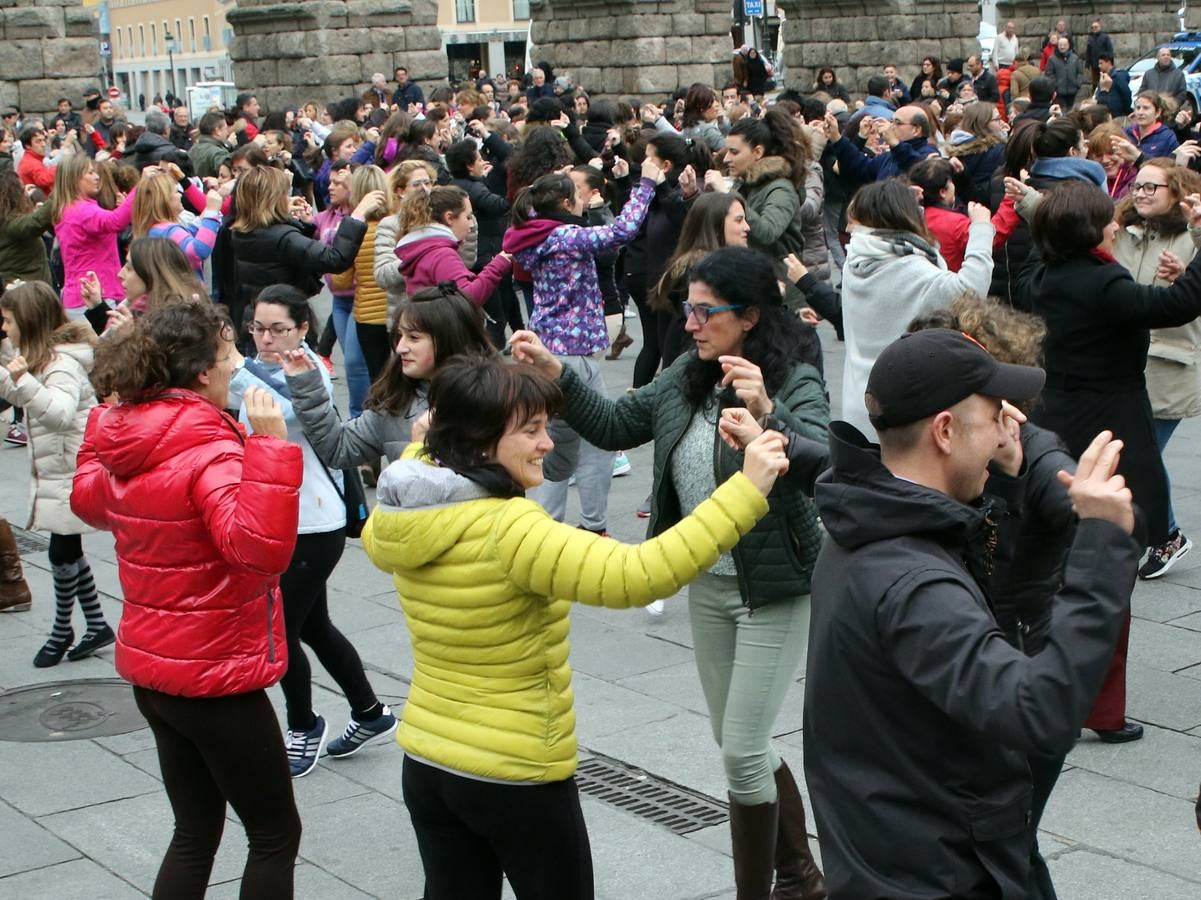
(527, 348)
(978, 213)
(1009, 455)
(765, 461)
(1192, 209)
(796, 268)
(738, 427)
(17, 366)
(747, 380)
(89, 290)
(264, 414)
(688, 181)
(1169, 266)
(1096, 491)
(651, 170)
(296, 362)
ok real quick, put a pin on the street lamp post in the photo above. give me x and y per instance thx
(169, 41)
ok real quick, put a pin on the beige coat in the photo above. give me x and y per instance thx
(1173, 370)
(57, 401)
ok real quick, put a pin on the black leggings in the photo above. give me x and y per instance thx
(214, 750)
(373, 341)
(472, 833)
(306, 618)
(651, 354)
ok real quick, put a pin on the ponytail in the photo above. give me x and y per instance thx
(419, 209)
(543, 198)
(780, 136)
(1039, 140)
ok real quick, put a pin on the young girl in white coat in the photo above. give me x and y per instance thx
(47, 360)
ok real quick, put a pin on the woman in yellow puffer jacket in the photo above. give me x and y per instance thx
(486, 579)
(370, 300)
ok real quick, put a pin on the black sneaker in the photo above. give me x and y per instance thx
(304, 748)
(358, 734)
(1163, 557)
(90, 643)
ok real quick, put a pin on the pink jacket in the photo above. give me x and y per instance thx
(87, 237)
(428, 256)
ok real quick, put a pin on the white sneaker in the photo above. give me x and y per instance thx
(655, 610)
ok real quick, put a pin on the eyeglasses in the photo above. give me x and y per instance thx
(1146, 187)
(702, 313)
(276, 330)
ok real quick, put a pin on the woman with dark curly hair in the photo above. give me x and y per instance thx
(827, 82)
(750, 606)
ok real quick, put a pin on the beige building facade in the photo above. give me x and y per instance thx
(160, 47)
(484, 36)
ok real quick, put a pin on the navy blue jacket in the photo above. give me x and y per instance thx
(1117, 99)
(864, 168)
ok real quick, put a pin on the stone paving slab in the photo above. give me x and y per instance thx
(41, 779)
(1084, 873)
(1162, 698)
(27, 845)
(79, 879)
(1164, 761)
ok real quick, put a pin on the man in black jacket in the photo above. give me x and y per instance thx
(919, 716)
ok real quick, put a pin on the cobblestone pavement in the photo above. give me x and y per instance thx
(89, 819)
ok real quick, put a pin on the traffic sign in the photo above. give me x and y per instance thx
(114, 93)
(752, 7)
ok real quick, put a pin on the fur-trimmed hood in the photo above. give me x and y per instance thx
(768, 169)
(972, 147)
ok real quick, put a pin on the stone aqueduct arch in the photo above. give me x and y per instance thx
(52, 45)
(285, 48)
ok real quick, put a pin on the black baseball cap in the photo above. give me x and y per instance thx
(923, 373)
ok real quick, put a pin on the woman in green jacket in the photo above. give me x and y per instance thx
(22, 250)
(748, 610)
(486, 579)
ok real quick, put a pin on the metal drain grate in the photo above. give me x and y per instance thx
(647, 796)
(69, 711)
(30, 541)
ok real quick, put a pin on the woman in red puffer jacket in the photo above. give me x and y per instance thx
(205, 519)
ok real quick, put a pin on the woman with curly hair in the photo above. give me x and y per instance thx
(748, 610)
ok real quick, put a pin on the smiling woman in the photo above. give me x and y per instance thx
(485, 578)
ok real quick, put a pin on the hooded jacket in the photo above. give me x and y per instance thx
(152, 149)
(205, 520)
(56, 401)
(981, 158)
(773, 209)
(568, 309)
(919, 714)
(430, 255)
(875, 308)
(486, 585)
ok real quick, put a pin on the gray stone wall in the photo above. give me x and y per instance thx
(641, 47)
(858, 37)
(48, 49)
(328, 49)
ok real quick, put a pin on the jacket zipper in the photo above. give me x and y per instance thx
(270, 633)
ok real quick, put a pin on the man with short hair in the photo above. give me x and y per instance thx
(1099, 44)
(897, 92)
(246, 112)
(908, 137)
(983, 81)
(377, 94)
(154, 144)
(1019, 83)
(1165, 78)
(729, 95)
(407, 92)
(211, 148)
(1005, 47)
(1040, 93)
(1066, 72)
(878, 103)
(181, 129)
(106, 118)
(67, 116)
(538, 87)
(32, 168)
(1113, 87)
(919, 714)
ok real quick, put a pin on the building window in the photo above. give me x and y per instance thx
(207, 41)
(153, 39)
(192, 34)
(521, 10)
(120, 46)
(464, 10)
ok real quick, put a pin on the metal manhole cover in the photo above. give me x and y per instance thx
(30, 541)
(69, 711)
(648, 796)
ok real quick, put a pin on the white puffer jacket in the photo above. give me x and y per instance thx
(56, 401)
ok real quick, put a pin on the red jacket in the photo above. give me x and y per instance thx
(205, 519)
(950, 228)
(32, 170)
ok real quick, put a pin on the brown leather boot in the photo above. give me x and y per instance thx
(14, 592)
(797, 874)
(753, 829)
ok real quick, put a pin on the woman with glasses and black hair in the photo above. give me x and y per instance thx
(748, 610)
(280, 322)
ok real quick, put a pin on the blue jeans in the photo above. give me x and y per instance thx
(358, 381)
(1163, 433)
